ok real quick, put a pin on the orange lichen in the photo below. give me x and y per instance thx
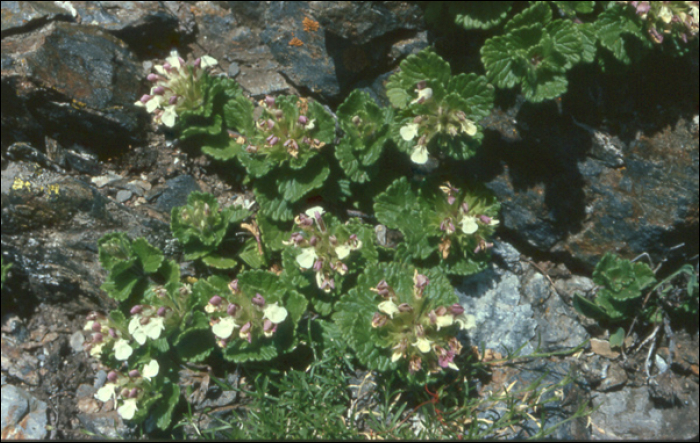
(310, 25)
(295, 42)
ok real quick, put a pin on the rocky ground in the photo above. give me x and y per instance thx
(613, 166)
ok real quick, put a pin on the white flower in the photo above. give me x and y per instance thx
(122, 350)
(444, 321)
(396, 356)
(342, 251)
(468, 127)
(169, 115)
(423, 95)
(208, 61)
(389, 307)
(128, 409)
(106, 392)
(151, 330)
(469, 225)
(174, 59)
(409, 131)
(665, 14)
(420, 155)
(96, 350)
(466, 321)
(423, 345)
(151, 369)
(275, 313)
(312, 211)
(224, 328)
(307, 258)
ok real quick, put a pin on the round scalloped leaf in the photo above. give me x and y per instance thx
(273, 233)
(238, 116)
(324, 125)
(149, 256)
(498, 62)
(587, 34)
(566, 41)
(195, 342)
(539, 13)
(476, 92)
(212, 128)
(571, 8)
(294, 186)
(545, 86)
(163, 410)
(114, 248)
(613, 27)
(122, 280)
(223, 152)
(218, 262)
(479, 15)
(424, 66)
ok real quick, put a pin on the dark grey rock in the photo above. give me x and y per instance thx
(18, 17)
(176, 192)
(75, 83)
(629, 414)
(23, 416)
(233, 70)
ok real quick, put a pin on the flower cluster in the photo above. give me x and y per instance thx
(664, 18)
(148, 322)
(127, 389)
(470, 219)
(250, 315)
(415, 329)
(321, 250)
(106, 332)
(281, 131)
(176, 87)
(435, 118)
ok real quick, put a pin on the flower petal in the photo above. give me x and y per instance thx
(122, 350)
(443, 321)
(409, 131)
(420, 155)
(307, 257)
(154, 327)
(208, 61)
(389, 307)
(275, 314)
(174, 59)
(151, 369)
(466, 321)
(469, 128)
(423, 345)
(311, 211)
(128, 409)
(469, 225)
(342, 251)
(224, 328)
(168, 117)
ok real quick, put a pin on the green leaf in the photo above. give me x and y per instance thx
(611, 26)
(587, 34)
(566, 41)
(477, 94)
(588, 308)
(499, 64)
(238, 116)
(149, 256)
(251, 256)
(121, 280)
(571, 8)
(212, 129)
(225, 152)
(545, 86)
(539, 12)
(163, 411)
(424, 66)
(293, 187)
(196, 342)
(114, 248)
(273, 233)
(617, 338)
(479, 15)
(219, 262)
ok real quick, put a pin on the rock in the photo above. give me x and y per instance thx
(71, 82)
(18, 17)
(176, 193)
(123, 196)
(328, 47)
(233, 70)
(23, 416)
(630, 415)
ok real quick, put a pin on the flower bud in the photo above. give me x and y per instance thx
(145, 98)
(333, 240)
(405, 307)
(136, 310)
(233, 286)
(451, 199)
(124, 393)
(485, 219)
(258, 300)
(91, 316)
(272, 140)
(421, 85)
(318, 265)
(96, 326)
(303, 120)
(153, 77)
(134, 373)
(162, 311)
(415, 364)
(465, 207)
(173, 100)
(97, 338)
(232, 309)
(215, 300)
(133, 393)
(113, 333)
(456, 309)
(441, 311)
(269, 101)
(144, 321)
(112, 376)
(356, 120)
(158, 90)
(251, 149)
(379, 320)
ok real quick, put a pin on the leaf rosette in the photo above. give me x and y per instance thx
(201, 227)
(254, 318)
(442, 225)
(437, 111)
(397, 318)
(329, 250)
(366, 128)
